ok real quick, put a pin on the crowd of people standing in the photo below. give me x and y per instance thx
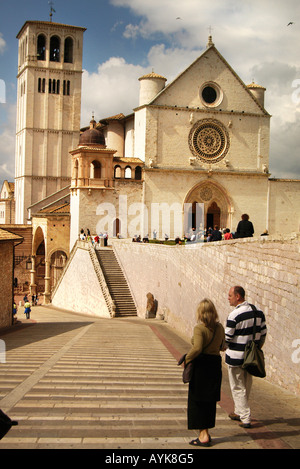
(244, 229)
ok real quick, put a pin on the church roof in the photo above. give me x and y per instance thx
(255, 85)
(152, 75)
(48, 23)
(127, 159)
(7, 236)
(210, 46)
(92, 136)
(61, 208)
(117, 117)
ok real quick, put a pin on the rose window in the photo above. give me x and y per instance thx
(209, 141)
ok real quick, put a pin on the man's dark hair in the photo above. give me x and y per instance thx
(239, 291)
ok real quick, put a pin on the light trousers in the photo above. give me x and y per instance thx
(240, 383)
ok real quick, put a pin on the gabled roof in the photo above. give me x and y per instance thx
(211, 47)
(7, 236)
(63, 208)
(10, 187)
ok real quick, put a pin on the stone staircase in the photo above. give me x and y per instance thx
(116, 282)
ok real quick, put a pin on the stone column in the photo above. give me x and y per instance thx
(47, 292)
(33, 277)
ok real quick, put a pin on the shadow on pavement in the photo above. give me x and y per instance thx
(28, 333)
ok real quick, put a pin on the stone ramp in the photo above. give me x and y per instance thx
(76, 382)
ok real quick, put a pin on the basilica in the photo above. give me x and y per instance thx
(194, 154)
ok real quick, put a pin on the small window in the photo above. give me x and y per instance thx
(68, 55)
(66, 88)
(95, 170)
(55, 49)
(41, 47)
(54, 86)
(138, 173)
(41, 85)
(127, 172)
(117, 172)
(211, 94)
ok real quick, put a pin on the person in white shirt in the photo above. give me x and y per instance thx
(239, 331)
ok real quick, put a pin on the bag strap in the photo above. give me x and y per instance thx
(211, 339)
(254, 324)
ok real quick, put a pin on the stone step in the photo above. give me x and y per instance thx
(116, 283)
(110, 385)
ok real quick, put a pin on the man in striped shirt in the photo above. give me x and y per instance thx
(239, 331)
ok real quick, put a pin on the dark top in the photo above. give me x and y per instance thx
(244, 229)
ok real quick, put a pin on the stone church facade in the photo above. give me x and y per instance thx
(204, 142)
(194, 153)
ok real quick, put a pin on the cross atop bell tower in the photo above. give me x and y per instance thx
(51, 10)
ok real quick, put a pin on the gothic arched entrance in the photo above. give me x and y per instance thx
(216, 202)
(58, 261)
(37, 285)
(213, 215)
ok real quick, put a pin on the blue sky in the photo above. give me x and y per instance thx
(127, 38)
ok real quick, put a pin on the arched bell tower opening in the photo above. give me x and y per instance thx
(216, 203)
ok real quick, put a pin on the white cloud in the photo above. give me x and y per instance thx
(2, 44)
(170, 62)
(114, 88)
(255, 39)
(131, 31)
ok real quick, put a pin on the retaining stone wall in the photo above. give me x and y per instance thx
(179, 277)
(6, 281)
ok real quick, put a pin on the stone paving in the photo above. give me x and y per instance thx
(77, 382)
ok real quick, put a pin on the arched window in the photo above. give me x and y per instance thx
(66, 87)
(117, 172)
(54, 86)
(55, 49)
(95, 170)
(68, 55)
(128, 172)
(41, 47)
(41, 85)
(138, 173)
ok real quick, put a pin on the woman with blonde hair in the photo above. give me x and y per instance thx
(205, 386)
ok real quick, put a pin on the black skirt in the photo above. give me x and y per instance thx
(204, 391)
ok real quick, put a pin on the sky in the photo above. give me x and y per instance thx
(125, 39)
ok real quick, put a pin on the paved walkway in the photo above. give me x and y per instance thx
(77, 382)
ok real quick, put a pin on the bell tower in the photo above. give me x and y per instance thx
(48, 110)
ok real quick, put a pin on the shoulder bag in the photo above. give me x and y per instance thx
(254, 360)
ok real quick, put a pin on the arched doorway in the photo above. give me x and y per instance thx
(217, 204)
(58, 261)
(213, 215)
(37, 284)
(116, 227)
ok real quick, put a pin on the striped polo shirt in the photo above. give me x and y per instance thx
(239, 331)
